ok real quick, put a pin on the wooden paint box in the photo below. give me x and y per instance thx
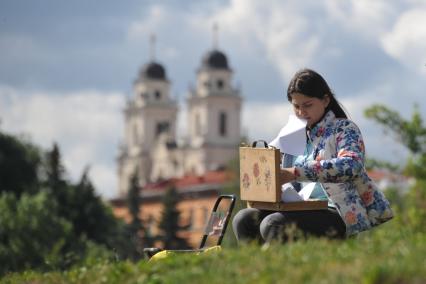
(260, 182)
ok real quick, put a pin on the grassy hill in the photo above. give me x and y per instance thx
(392, 253)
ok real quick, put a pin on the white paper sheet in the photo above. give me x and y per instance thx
(289, 194)
(307, 190)
(292, 137)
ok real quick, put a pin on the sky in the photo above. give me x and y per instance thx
(68, 67)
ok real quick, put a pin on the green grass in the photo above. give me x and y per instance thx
(388, 254)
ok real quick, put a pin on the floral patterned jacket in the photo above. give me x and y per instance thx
(339, 165)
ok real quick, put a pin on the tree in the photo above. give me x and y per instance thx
(378, 164)
(54, 173)
(45, 218)
(31, 235)
(19, 165)
(169, 224)
(90, 216)
(411, 134)
(135, 228)
(133, 202)
(79, 204)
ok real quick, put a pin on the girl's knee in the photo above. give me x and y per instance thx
(272, 225)
(245, 224)
(277, 218)
(245, 214)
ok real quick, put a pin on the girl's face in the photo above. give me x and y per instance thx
(308, 108)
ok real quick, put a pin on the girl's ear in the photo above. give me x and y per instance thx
(326, 100)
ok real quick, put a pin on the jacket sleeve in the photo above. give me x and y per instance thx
(348, 161)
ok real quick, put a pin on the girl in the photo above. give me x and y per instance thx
(333, 160)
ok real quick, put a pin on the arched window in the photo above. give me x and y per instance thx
(220, 84)
(191, 219)
(150, 224)
(206, 215)
(197, 124)
(223, 123)
(162, 127)
(135, 135)
(157, 95)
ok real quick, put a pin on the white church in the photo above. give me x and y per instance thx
(213, 122)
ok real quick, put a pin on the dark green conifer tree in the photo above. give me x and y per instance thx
(91, 217)
(136, 230)
(19, 165)
(169, 224)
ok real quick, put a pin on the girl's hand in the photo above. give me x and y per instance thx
(287, 175)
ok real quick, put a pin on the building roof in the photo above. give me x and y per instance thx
(386, 179)
(210, 183)
(215, 59)
(208, 177)
(153, 70)
(185, 182)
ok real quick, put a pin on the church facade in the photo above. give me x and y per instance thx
(213, 121)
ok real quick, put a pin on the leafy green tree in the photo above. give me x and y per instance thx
(412, 135)
(377, 164)
(30, 235)
(169, 224)
(45, 218)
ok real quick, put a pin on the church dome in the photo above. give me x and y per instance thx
(215, 59)
(153, 70)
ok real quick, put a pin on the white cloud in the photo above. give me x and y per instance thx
(87, 125)
(367, 19)
(295, 34)
(278, 28)
(263, 121)
(407, 40)
(157, 16)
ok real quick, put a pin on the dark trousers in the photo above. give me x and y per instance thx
(253, 224)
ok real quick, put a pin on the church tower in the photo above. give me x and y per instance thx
(214, 108)
(150, 113)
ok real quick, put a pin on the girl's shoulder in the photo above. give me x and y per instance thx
(345, 123)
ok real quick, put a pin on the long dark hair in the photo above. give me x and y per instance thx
(309, 83)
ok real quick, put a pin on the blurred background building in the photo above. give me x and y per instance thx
(196, 166)
(214, 124)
